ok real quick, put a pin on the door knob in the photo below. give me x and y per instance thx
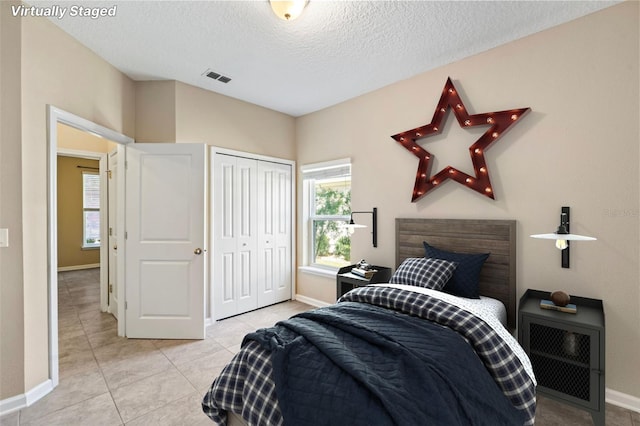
(115, 247)
(198, 251)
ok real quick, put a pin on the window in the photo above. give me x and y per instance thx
(327, 193)
(91, 209)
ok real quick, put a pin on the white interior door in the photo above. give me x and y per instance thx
(274, 232)
(234, 235)
(165, 241)
(112, 238)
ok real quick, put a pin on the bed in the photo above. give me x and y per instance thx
(395, 353)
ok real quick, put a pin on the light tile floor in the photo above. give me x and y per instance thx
(110, 380)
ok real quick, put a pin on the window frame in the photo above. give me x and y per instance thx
(85, 209)
(309, 215)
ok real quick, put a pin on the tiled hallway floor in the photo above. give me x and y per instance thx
(110, 380)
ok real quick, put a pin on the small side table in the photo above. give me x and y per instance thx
(566, 350)
(346, 281)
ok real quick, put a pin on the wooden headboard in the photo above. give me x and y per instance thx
(498, 237)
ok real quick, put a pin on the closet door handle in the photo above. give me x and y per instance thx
(198, 251)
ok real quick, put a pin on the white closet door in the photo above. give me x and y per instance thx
(234, 236)
(274, 232)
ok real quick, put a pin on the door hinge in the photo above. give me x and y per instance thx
(125, 306)
(126, 235)
(110, 288)
(126, 165)
(110, 231)
(109, 174)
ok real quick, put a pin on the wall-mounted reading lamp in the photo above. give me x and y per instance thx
(352, 225)
(563, 236)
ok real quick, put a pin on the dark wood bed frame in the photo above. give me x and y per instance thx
(498, 237)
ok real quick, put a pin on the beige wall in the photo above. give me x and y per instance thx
(203, 116)
(155, 111)
(11, 273)
(578, 147)
(70, 252)
(77, 140)
(171, 111)
(56, 70)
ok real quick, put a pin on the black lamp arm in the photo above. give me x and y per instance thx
(564, 224)
(374, 226)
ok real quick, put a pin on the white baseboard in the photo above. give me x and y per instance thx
(313, 302)
(18, 402)
(622, 400)
(13, 404)
(78, 267)
(39, 391)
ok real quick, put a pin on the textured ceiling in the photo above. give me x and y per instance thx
(335, 51)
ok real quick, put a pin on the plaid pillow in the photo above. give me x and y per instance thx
(424, 272)
(466, 277)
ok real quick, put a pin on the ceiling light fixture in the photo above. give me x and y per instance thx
(288, 10)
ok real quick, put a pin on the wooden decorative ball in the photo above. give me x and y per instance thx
(560, 298)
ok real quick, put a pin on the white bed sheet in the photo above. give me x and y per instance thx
(485, 307)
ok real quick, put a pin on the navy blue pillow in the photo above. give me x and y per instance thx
(466, 276)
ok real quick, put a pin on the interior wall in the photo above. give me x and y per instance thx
(11, 271)
(578, 147)
(171, 111)
(218, 120)
(155, 111)
(77, 140)
(59, 71)
(70, 220)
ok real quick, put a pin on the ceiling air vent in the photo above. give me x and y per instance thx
(216, 76)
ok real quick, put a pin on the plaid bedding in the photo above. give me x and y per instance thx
(245, 385)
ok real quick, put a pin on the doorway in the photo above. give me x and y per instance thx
(56, 117)
(82, 202)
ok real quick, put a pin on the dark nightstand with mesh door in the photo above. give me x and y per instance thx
(566, 350)
(347, 281)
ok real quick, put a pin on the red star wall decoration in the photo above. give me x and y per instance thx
(499, 123)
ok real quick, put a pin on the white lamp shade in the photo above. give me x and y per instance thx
(355, 225)
(351, 227)
(566, 237)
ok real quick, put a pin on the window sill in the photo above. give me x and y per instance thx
(313, 270)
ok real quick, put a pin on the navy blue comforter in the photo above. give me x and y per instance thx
(359, 364)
